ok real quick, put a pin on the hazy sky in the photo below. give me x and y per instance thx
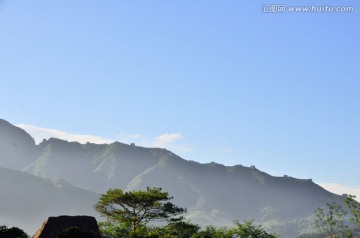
(210, 80)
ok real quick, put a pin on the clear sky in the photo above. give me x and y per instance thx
(210, 80)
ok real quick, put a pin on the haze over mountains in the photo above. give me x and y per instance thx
(212, 193)
(26, 200)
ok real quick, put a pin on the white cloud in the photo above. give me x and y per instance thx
(341, 189)
(129, 138)
(167, 140)
(39, 133)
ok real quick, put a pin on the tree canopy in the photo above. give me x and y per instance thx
(138, 208)
(12, 232)
(354, 208)
(331, 219)
(241, 230)
(129, 212)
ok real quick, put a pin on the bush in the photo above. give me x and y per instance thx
(12, 232)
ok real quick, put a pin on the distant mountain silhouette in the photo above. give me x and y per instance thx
(17, 148)
(26, 200)
(212, 193)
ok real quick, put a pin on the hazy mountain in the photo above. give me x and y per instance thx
(26, 200)
(91, 166)
(212, 193)
(17, 148)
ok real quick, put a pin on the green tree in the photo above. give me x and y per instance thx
(182, 229)
(331, 220)
(245, 230)
(12, 232)
(354, 207)
(178, 229)
(138, 208)
(212, 232)
(110, 229)
(248, 229)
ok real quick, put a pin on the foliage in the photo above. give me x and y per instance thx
(331, 220)
(354, 207)
(114, 229)
(245, 230)
(314, 235)
(12, 232)
(180, 229)
(248, 229)
(129, 213)
(138, 208)
(212, 232)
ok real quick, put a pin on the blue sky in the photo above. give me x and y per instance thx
(210, 80)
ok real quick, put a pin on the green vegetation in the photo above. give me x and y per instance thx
(133, 213)
(354, 208)
(247, 229)
(138, 208)
(12, 232)
(184, 230)
(331, 220)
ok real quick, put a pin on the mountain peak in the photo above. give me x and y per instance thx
(9, 131)
(16, 145)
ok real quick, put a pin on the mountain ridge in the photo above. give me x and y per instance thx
(213, 193)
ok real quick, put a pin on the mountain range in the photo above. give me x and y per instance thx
(58, 177)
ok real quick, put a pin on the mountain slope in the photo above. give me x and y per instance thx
(212, 193)
(217, 194)
(16, 146)
(90, 166)
(26, 200)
